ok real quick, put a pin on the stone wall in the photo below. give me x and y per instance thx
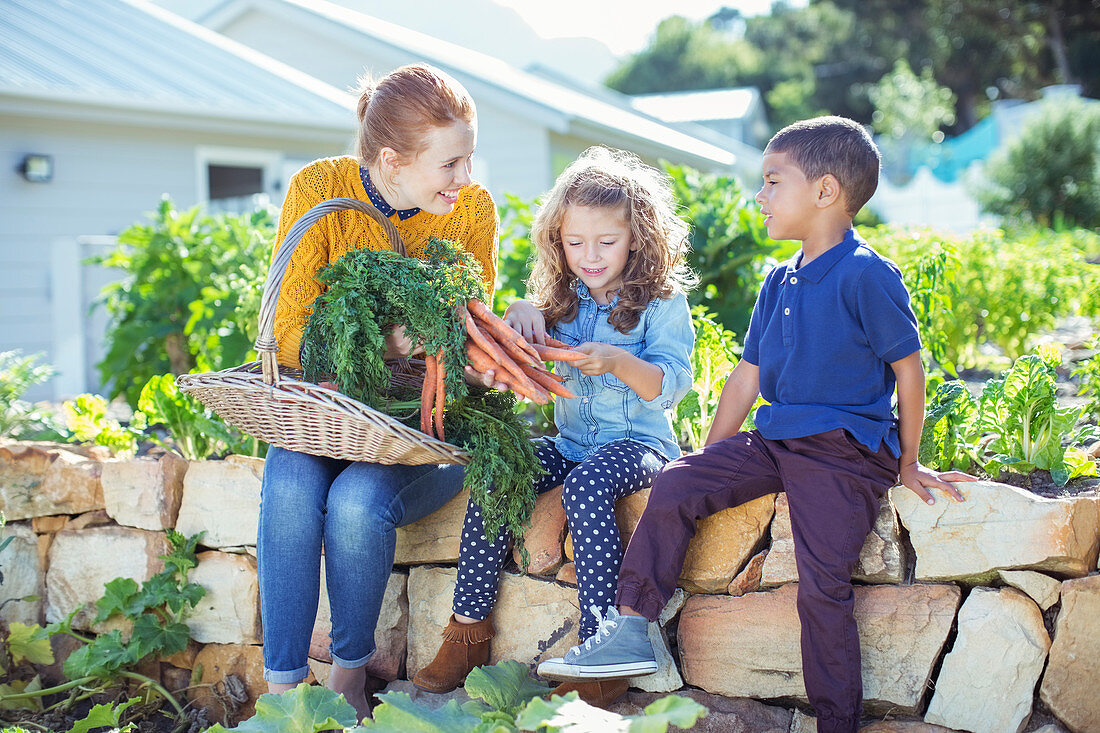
(979, 616)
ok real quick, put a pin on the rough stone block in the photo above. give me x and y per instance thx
(144, 492)
(999, 527)
(229, 613)
(22, 574)
(83, 561)
(1073, 666)
(987, 681)
(222, 499)
(42, 479)
(436, 537)
(748, 646)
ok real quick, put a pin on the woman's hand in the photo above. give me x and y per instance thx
(399, 346)
(599, 358)
(523, 316)
(486, 379)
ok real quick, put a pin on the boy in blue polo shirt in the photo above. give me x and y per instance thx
(831, 335)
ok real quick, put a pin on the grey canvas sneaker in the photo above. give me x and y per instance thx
(619, 648)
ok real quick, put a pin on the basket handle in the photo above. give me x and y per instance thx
(265, 343)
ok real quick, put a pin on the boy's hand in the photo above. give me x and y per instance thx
(600, 358)
(919, 480)
(523, 316)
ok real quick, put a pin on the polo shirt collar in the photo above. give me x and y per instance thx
(817, 269)
(379, 202)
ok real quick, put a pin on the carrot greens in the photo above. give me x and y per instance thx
(366, 294)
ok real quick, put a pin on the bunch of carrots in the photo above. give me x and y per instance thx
(493, 345)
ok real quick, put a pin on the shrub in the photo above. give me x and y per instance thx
(1050, 174)
(20, 419)
(991, 287)
(189, 297)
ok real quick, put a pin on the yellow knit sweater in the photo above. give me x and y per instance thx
(472, 225)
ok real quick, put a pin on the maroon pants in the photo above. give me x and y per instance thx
(833, 484)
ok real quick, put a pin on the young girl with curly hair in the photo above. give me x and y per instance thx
(609, 280)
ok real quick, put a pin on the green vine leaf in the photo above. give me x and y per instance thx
(305, 709)
(105, 716)
(29, 644)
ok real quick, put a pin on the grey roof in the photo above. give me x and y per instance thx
(111, 53)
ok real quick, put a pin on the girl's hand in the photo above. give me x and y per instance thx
(600, 358)
(523, 316)
(398, 345)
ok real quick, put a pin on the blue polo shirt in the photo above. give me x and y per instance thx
(823, 336)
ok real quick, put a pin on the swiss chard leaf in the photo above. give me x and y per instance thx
(305, 709)
(506, 686)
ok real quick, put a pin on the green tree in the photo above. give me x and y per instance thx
(909, 110)
(1050, 174)
(687, 55)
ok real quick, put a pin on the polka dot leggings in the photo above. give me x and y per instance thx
(590, 489)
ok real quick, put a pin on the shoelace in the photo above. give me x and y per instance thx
(603, 628)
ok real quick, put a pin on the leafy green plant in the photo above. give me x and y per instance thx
(504, 699)
(156, 611)
(514, 261)
(189, 297)
(1021, 410)
(947, 438)
(87, 418)
(20, 419)
(716, 353)
(195, 432)
(730, 244)
(992, 287)
(932, 291)
(1089, 374)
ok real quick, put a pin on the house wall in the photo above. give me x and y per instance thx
(106, 177)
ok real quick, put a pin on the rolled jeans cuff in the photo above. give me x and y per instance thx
(291, 677)
(354, 663)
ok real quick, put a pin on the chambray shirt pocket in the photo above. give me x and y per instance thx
(634, 345)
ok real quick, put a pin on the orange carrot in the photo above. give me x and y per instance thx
(519, 354)
(440, 394)
(427, 394)
(488, 344)
(497, 326)
(530, 390)
(479, 360)
(559, 344)
(546, 381)
(553, 353)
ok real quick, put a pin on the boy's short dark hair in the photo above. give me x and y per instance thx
(835, 145)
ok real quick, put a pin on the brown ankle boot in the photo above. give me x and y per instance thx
(600, 693)
(465, 646)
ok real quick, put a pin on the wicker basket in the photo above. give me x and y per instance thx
(274, 404)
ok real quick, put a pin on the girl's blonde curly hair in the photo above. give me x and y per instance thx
(657, 268)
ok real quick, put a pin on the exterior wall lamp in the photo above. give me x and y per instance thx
(36, 167)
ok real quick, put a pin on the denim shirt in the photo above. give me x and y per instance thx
(606, 410)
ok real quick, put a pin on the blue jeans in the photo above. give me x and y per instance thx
(353, 509)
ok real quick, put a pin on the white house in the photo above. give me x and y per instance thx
(737, 112)
(104, 107)
(530, 126)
